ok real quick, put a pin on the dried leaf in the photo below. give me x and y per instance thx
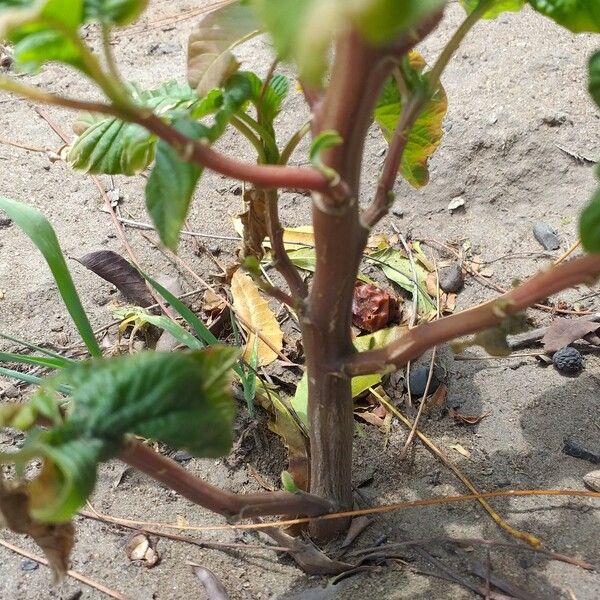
(140, 547)
(373, 308)
(124, 276)
(460, 450)
(563, 332)
(56, 540)
(371, 418)
(486, 272)
(212, 303)
(254, 221)
(255, 311)
(287, 426)
(466, 419)
(212, 586)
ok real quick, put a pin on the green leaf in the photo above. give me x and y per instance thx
(269, 105)
(288, 483)
(589, 225)
(325, 140)
(210, 60)
(39, 230)
(39, 361)
(107, 145)
(496, 7)
(119, 12)
(594, 77)
(575, 15)
(397, 268)
(171, 185)
(32, 28)
(39, 349)
(426, 133)
(179, 398)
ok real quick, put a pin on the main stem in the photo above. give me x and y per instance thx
(339, 239)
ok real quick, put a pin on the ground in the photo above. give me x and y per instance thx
(517, 93)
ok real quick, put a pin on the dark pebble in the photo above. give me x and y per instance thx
(576, 450)
(451, 278)
(214, 249)
(546, 236)
(28, 565)
(181, 456)
(418, 381)
(5, 222)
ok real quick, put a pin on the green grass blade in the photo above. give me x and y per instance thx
(41, 233)
(40, 361)
(21, 376)
(36, 348)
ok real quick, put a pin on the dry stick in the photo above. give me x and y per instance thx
(487, 281)
(374, 510)
(184, 265)
(478, 318)
(568, 253)
(413, 430)
(23, 146)
(95, 515)
(58, 130)
(74, 574)
(521, 535)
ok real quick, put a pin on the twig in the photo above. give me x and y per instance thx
(568, 253)
(74, 574)
(374, 510)
(521, 535)
(413, 430)
(23, 146)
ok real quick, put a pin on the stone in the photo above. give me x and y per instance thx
(452, 278)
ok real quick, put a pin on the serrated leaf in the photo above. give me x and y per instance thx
(269, 105)
(107, 145)
(41, 233)
(594, 77)
(255, 311)
(496, 7)
(397, 268)
(575, 15)
(210, 60)
(589, 225)
(30, 27)
(171, 185)
(424, 136)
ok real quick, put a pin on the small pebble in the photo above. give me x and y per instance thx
(29, 565)
(181, 456)
(214, 249)
(5, 222)
(546, 236)
(12, 391)
(592, 480)
(418, 381)
(397, 212)
(451, 278)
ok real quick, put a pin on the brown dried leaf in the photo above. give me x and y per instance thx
(431, 284)
(254, 309)
(563, 332)
(371, 418)
(212, 303)
(462, 419)
(56, 540)
(140, 547)
(461, 450)
(254, 221)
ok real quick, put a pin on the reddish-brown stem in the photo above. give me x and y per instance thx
(226, 503)
(266, 176)
(384, 196)
(281, 260)
(478, 318)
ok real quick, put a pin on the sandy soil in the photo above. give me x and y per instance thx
(517, 92)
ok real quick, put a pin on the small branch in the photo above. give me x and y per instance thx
(224, 502)
(266, 176)
(281, 260)
(478, 318)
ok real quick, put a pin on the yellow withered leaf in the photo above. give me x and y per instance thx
(255, 311)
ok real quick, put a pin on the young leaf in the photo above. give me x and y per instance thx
(210, 60)
(171, 185)
(255, 311)
(109, 146)
(39, 230)
(576, 15)
(594, 77)
(496, 7)
(39, 361)
(325, 140)
(589, 225)
(270, 103)
(426, 133)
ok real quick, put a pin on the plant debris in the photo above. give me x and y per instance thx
(141, 548)
(563, 332)
(373, 308)
(568, 360)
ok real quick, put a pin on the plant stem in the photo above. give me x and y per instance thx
(224, 502)
(581, 270)
(264, 135)
(293, 142)
(251, 137)
(267, 176)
